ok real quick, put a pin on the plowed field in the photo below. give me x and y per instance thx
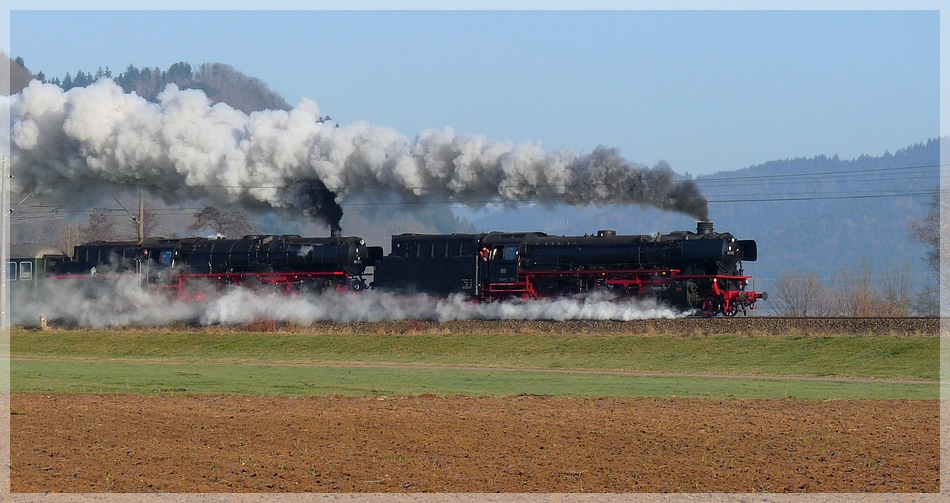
(195, 443)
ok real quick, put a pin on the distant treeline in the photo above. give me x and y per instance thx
(220, 82)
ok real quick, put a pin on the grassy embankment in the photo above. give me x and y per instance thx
(235, 362)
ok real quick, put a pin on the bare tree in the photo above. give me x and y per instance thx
(855, 293)
(232, 223)
(99, 227)
(151, 223)
(926, 302)
(896, 292)
(69, 237)
(927, 230)
(801, 294)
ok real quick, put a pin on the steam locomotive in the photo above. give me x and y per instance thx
(699, 270)
(692, 270)
(287, 262)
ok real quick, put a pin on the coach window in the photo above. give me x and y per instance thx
(26, 271)
(11, 271)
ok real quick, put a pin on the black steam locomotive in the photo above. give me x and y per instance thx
(289, 262)
(694, 270)
(699, 270)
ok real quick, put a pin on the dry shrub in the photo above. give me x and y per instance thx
(409, 327)
(263, 322)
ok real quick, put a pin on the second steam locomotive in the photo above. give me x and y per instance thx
(699, 271)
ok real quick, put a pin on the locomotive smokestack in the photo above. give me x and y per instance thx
(704, 227)
(336, 231)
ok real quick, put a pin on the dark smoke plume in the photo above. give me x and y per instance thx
(316, 201)
(75, 145)
(603, 177)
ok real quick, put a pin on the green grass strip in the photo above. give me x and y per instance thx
(838, 356)
(36, 376)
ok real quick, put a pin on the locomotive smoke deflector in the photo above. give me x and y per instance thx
(747, 249)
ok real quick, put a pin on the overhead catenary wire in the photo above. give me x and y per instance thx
(842, 176)
(753, 183)
(19, 218)
(836, 173)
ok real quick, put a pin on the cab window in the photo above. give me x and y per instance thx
(511, 253)
(166, 257)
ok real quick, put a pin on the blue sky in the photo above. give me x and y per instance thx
(705, 90)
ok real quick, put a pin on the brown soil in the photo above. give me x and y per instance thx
(129, 443)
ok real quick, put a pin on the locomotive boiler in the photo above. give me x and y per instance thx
(703, 252)
(261, 253)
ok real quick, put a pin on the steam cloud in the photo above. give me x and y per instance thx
(122, 301)
(73, 146)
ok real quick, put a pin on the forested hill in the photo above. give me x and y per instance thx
(824, 215)
(220, 82)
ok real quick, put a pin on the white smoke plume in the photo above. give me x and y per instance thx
(121, 301)
(72, 146)
(114, 301)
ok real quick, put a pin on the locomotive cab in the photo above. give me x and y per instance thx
(507, 250)
(503, 263)
(161, 259)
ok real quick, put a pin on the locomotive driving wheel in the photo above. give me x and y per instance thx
(711, 306)
(358, 285)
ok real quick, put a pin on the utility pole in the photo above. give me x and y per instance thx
(141, 216)
(4, 246)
